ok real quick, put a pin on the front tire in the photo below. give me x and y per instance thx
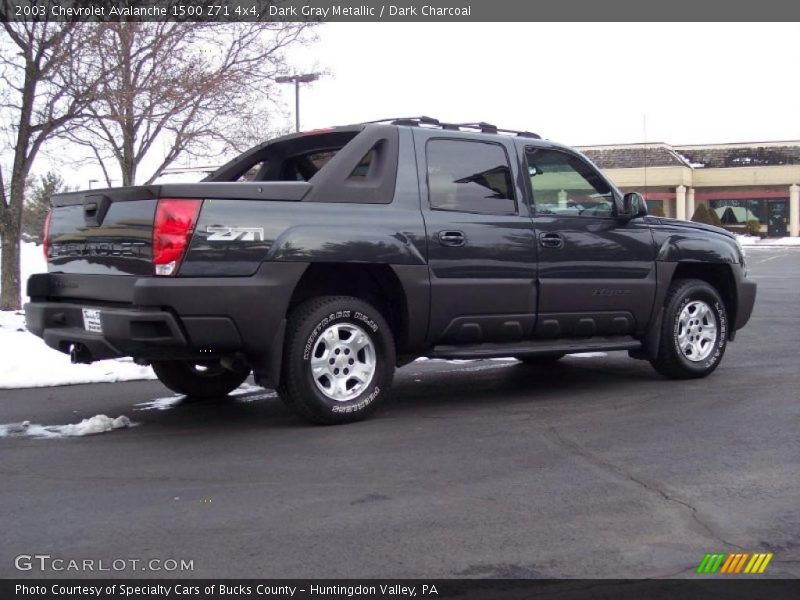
(338, 360)
(198, 379)
(694, 332)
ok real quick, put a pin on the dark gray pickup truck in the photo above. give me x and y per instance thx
(320, 261)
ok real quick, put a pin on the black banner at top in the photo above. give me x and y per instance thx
(408, 10)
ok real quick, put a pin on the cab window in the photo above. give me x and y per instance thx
(469, 176)
(564, 185)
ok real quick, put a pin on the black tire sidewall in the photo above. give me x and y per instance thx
(367, 318)
(179, 376)
(707, 294)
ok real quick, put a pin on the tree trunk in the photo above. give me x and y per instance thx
(9, 298)
(12, 221)
(12, 212)
(12, 229)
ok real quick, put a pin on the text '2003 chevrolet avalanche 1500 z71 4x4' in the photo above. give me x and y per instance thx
(320, 261)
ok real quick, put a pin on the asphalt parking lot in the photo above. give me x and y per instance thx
(594, 467)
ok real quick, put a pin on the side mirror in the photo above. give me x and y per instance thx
(633, 206)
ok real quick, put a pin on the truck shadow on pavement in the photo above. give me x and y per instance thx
(423, 390)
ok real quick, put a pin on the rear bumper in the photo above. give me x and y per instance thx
(167, 318)
(144, 333)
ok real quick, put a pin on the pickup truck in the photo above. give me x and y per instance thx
(322, 260)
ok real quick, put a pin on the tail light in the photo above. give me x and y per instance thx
(46, 236)
(172, 231)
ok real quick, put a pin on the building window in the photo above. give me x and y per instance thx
(740, 211)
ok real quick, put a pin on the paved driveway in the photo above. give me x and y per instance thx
(595, 467)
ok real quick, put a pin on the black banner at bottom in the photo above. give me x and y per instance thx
(401, 589)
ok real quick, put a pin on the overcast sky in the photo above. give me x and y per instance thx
(575, 83)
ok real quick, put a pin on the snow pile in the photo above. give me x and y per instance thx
(748, 240)
(164, 403)
(31, 261)
(751, 240)
(462, 361)
(244, 393)
(252, 393)
(26, 362)
(91, 426)
(784, 241)
(688, 161)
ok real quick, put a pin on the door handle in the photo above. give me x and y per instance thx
(452, 238)
(551, 240)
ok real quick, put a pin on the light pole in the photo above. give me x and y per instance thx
(297, 80)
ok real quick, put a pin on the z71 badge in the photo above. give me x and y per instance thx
(221, 233)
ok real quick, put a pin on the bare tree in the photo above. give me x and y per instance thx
(180, 89)
(37, 203)
(42, 91)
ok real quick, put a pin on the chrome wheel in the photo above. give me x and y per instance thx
(343, 362)
(697, 330)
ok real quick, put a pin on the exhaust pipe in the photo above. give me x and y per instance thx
(234, 363)
(79, 354)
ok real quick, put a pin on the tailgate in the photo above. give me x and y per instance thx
(106, 232)
(110, 231)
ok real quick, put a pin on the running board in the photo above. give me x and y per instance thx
(534, 347)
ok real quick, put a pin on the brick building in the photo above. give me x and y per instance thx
(741, 182)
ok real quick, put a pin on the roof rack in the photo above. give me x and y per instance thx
(406, 121)
(431, 122)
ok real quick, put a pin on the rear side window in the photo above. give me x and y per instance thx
(361, 170)
(253, 172)
(469, 176)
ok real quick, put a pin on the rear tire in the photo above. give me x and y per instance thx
(542, 359)
(338, 360)
(198, 379)
(694, 332)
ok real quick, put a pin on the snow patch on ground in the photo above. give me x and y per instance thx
(484, 368)
(245, 393)
(252, 393)
(589, 354)
(26, 362)
(751, 240)
(91, 426)
(462, 361)
(164, 403)
(748, 240)
(784, 241)
(31, 261)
